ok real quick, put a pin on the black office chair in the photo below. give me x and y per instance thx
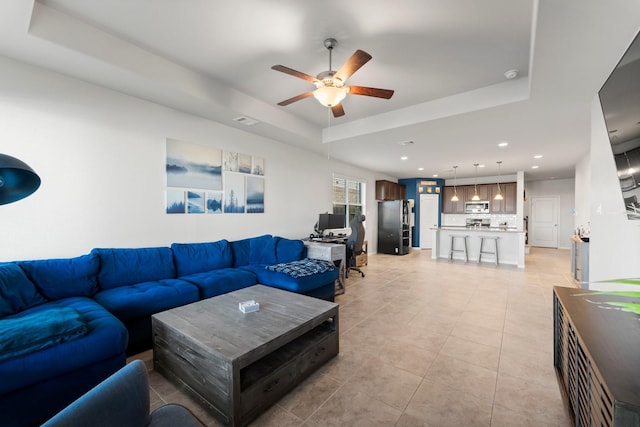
(355, 242)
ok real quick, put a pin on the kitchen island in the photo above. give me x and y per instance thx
(511, 244)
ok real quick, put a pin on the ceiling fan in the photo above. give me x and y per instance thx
(330, 88)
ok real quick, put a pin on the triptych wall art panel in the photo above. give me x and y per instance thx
(208, 180)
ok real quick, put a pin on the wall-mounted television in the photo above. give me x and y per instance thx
(620, 101)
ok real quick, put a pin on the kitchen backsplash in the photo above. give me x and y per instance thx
(497, 220)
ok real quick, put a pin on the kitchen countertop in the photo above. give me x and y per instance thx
(480, 229)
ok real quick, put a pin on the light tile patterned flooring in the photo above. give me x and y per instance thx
(430, 343)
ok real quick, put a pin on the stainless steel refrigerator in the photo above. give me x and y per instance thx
(393, 227)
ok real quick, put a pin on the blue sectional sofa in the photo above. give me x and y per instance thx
(67, 324)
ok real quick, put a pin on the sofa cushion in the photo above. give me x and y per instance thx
(302, 285)
(26, 334)
(146, 298)
(198, 257)
(106, 339)
(241, 249)
(17, 292)
(63, 278)
(217, 282)
(262, 249)
(122, 267)
(303, 267)
(289, 250)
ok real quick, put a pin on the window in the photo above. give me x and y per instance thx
(348, 197)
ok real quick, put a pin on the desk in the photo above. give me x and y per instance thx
(333, 239)
(329, 251)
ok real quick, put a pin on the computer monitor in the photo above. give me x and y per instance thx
(327, 221)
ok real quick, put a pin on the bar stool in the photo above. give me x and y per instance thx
(464, 248)
(485, 252)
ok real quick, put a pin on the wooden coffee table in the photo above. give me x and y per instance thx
(238, 364)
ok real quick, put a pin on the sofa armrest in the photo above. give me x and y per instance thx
(122, 399)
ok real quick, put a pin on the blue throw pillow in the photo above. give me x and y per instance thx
(17, 293)
(289, 250)
(64, 278)
(262, 250)
(122, 267)
(193, 258)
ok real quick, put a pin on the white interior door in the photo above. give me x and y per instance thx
(543, 224)
(429, 208)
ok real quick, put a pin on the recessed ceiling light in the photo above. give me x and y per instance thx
(435, 175)
(503, 144)
(535, 167)
(403, 158)
(480, 166)
(420, 169)
(537, 156)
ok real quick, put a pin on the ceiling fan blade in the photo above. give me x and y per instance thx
(294, 73)
(337, 110)
(295, 98)
(371, 91)
(353, 64)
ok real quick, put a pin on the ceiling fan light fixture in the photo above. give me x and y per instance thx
(330, 96)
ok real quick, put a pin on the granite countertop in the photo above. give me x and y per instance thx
(481, 229)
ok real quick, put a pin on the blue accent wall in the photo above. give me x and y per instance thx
(414, 188)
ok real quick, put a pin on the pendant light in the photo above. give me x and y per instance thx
(455, 181)
(475, 185)
(17, 179)
(499, 195)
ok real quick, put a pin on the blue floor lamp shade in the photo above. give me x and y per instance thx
(17, 179)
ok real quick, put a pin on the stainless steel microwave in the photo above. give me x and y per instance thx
(476, 207)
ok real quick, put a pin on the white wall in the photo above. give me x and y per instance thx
(564, 189)
(582, 192)
(615, 240)
(101, 157)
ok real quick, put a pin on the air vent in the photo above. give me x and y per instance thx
(246, 121)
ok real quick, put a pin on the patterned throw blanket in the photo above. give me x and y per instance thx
(302, 268)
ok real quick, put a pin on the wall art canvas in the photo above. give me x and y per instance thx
(244, 163)
(193, 166)
(255, 194)
(175, 202)
(234, 193)
(214, 202)
(195, 202)
(258, 166)
(203, 179)
(230, 161)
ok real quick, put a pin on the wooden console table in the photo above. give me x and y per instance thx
(597, 357)
(333, 252)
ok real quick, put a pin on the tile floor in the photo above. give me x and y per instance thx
(430, 343)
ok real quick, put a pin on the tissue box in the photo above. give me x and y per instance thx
(248, 306)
